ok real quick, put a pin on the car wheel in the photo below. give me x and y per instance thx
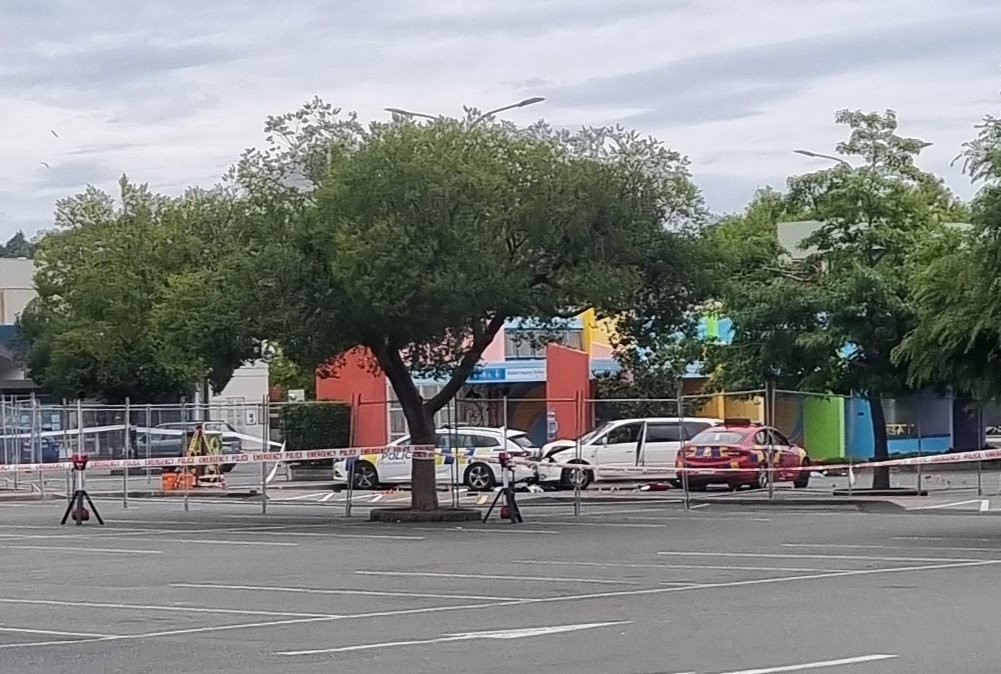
(802, 480)
(573, 478)
(480, 477)
(761, 481)
(365, 476)
(227, 467)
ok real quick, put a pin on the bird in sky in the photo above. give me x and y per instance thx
(45, 164)
(54, 133)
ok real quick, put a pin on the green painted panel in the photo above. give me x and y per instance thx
(824, 427)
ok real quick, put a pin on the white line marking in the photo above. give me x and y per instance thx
(363, 593)
(377, 497)
(945, 505)
(53, 633)
(816, 665)
(883, 547)
(328, 497)
(466, 636)
(497, 530)
(985, 505)
(218, 541)
(171, 609)
(518, 602)
(301, 497)
(478, 576)
(632, 525)
(766, 555)
(678, 566)
(700, 505)
(59, 548)
(945, 538)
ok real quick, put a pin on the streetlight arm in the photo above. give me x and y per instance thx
(818, 155)
(407, 113)
(519, 104)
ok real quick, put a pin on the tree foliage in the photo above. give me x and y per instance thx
(417, 241)
(832, 321)
(123, 289)
(956, 280)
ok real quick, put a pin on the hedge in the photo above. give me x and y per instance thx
(316, 426)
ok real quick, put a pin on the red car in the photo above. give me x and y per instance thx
(741, 449)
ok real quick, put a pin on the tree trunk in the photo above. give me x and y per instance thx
(881, 449)
(423, 492)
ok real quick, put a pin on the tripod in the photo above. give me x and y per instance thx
(509, 509)
(76, 504)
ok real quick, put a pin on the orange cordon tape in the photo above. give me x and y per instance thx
(215, 459)
(958, 457)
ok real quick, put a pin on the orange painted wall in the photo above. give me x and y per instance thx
(355, 383)
(567, 380)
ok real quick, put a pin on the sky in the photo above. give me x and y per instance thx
(170, 93)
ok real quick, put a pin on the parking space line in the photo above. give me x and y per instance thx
(340, 591)
(484, 576)
(772, 555)
(713, 567)
(618, 525)
(515, 633)
(303, 497)
(843, 546)
(945, 538)
(60, 548)
(53, 633)
(168, 609)
(816, 665)
(497, 530)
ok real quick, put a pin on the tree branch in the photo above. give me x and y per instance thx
(469, 362)
(398, 373)
(572, 313)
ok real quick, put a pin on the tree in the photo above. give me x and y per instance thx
(19, 246)
(416, 242)
(110, 279)
(831, 323)
(956, 279)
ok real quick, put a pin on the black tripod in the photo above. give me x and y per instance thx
(509, 510)
(80, 494)
(80, 514)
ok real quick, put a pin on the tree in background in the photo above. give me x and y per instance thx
(416, 242)
(19, 246)
(113, 319)
(956, 280)
(832, 323)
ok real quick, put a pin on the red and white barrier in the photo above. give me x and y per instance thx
(217, 459)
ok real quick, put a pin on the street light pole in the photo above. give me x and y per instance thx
(485, 115)
(818, 155)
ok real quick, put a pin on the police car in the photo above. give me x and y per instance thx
(465, 455)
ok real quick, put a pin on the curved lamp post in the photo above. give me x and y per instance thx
(485, 115)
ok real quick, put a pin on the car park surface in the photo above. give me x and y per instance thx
(625, 588)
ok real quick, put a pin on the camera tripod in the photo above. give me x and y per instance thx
(509, 508)
(76, 505)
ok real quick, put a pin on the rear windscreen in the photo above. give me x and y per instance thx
(718, 437)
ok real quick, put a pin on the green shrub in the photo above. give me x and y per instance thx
(316, 426)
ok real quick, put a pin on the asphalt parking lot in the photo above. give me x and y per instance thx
(629, 588)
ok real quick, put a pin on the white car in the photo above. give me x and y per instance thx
(651, 443)
(466, 455)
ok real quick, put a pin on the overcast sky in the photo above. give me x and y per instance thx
(171, 92)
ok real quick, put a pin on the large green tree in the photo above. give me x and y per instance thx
(956, 281)
(417, 241)
(831, 322)
(123, 307)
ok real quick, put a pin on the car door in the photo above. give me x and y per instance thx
(788, 453)
(394, 465)
(661, 443)
(620, 446)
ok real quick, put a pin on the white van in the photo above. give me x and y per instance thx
(651, 443)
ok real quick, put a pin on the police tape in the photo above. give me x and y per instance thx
(142, 430)
(936, 459)
(345, 453)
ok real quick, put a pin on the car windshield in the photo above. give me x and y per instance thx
(715, 436)
(587, 437)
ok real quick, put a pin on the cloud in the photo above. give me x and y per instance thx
(171, 93)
